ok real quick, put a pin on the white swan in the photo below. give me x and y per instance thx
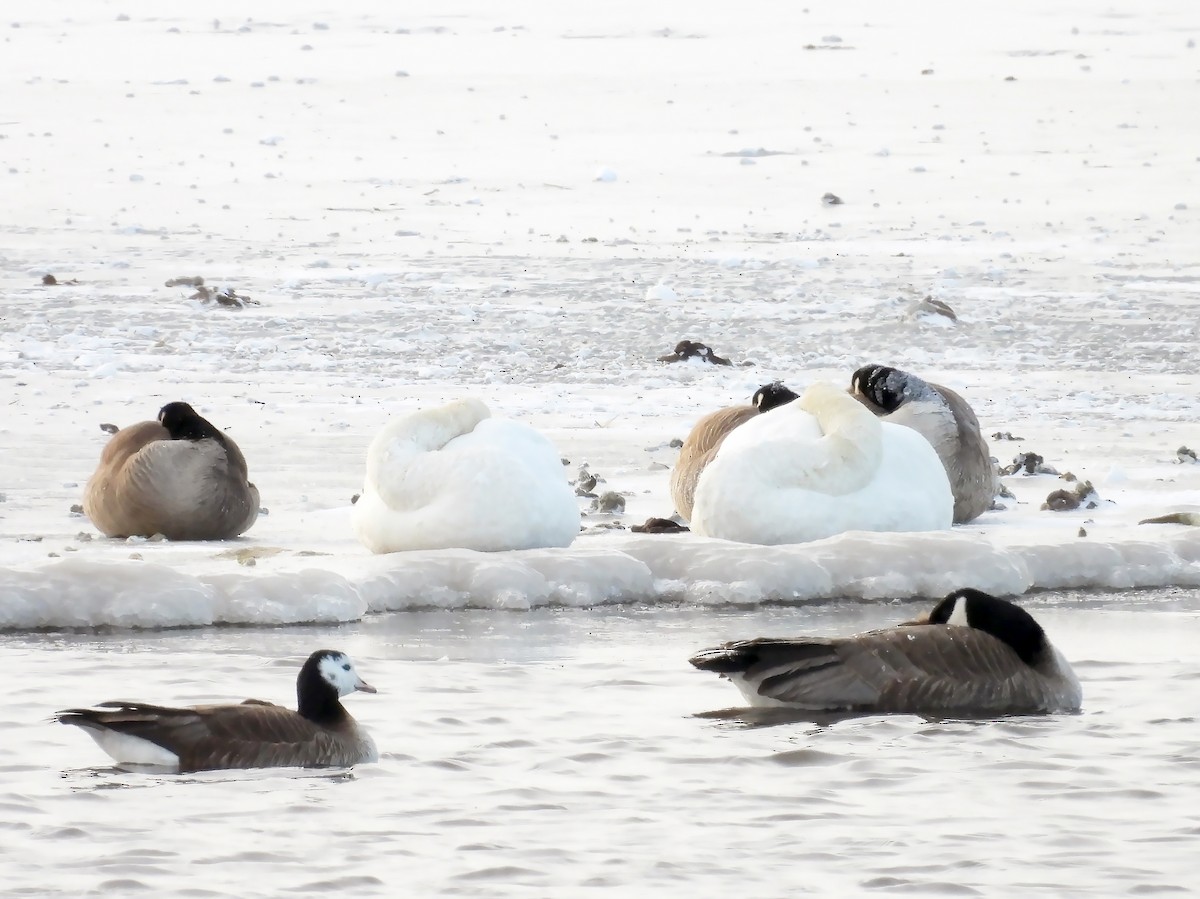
(455, 477)
(817, 467)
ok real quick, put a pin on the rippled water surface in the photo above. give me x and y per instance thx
(564, 752)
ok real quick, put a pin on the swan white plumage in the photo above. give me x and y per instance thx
(454, 476)
(817, 467)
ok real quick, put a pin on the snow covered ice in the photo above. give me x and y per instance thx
(462, 231)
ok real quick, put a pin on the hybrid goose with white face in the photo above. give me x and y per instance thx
(180, 476)
(251, 734)
(706, 436)
(972, 655)
(943, 418)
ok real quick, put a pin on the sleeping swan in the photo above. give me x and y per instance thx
(454, 476)
(179, 476)
(817, 467)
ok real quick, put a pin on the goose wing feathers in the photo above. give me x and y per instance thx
(920, 668)
(185, 489)
(253, 734)
(169, 477)
(698, 450)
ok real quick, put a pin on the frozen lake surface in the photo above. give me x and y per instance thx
(530, 203)
(412, 238)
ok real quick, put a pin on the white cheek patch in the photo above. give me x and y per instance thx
(959, 615)
(343, 681)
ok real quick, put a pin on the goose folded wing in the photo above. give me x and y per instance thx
(902, 668)
(807, 672)
(251, 735)
(942, 668)
(259, 735)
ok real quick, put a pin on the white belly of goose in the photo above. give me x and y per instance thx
(127, 750)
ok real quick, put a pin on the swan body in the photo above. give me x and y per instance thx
(817, 467)
(453, 476)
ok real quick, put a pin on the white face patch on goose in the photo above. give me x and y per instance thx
(339, 671)
(959, 615)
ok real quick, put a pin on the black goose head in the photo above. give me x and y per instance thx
(769, 396)
(881, 385)
(1002, 619)
(325, 677)
(185, 423)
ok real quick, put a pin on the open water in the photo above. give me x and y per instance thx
(570, 753)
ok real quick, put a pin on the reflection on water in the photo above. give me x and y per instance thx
(135, 776)
(561, 752)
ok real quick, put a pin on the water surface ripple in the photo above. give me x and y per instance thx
(569, 752)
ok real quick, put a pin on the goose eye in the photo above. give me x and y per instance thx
(346, 667)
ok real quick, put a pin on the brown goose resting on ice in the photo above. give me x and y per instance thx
(179, 476)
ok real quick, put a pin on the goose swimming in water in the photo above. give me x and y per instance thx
(817, 467)
(252, 734)
(453, 476)
(706, 436)
(974, 654)
(179, 476)
(946, 420)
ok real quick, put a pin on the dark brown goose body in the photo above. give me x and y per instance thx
(943, 418)
(934, 667)
(251, 734)
(182, 478)
(705, 439)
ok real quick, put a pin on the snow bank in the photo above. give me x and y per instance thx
(77, 593)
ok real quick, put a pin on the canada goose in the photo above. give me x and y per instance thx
(705, 438)
(691, 349)
(453, 476)
(945, 419)
(251, 734)
(179, 476)
(817, 467)
(973, 654)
